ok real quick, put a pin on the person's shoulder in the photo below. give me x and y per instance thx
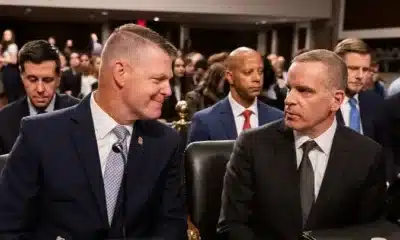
(357, 140)
(54, 118)
(69, 100)
(268, 130)
(269, 108)
(212, 110)
(12, 106)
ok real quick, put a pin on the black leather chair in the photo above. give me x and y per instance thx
(3, 160)
(205, 165)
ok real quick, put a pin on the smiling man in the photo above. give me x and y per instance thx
(241, 110)
(105, 168)
(40, 72)
(282, 178)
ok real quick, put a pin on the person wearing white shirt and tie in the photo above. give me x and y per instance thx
(306, 172)
(360, 109)
(240, 110)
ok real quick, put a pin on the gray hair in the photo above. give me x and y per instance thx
(337, 69)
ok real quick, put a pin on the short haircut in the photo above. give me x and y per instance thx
(217, 58)
(337, 69)
(352, 45)
(38, 51)
(129, 38)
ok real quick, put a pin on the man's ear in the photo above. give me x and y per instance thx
(119, 71)
(229, 76)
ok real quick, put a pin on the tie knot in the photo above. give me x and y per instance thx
(353, 102)
(121, 132)
(247, 113)
(308, 146)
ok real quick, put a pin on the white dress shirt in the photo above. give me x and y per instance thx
(103, 126)
(318, 156)
(49, 108)
(345, 108)
(238, 110)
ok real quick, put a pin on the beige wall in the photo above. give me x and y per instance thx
(281, 8)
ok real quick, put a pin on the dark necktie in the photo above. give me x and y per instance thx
(306, 181)
(40, 111)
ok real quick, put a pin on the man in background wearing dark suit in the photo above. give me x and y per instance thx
(40, 72)
(306, 172)
(106, 168)
(241, 110)
(360, 110)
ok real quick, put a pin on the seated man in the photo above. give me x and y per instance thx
(39, 64)
(306, 172)
(240, 110)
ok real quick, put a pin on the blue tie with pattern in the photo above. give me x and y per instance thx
(355, 122)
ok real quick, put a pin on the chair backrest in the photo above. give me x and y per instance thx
(3, 160)
(205, 165)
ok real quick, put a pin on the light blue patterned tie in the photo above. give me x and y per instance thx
(114, 171)
(355, 122)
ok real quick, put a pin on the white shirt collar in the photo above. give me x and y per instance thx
(49, 108)
(103, 123)
(238, 109)
(324, 141)
(346, 98)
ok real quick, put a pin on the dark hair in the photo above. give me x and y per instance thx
(38, 51)
(202, 63)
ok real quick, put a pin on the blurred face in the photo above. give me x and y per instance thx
(358, 66)
(97, 63)
(74, 60)
(7, 35)
(85, 61)
(94, 37)
(246, 77)
(63, 61)
(179, 68)
(40, 82)
(69, 43)
(189, 69)
(146, 83)
(310, 104)
(52, 41)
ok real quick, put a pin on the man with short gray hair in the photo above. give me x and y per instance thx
(305, 172)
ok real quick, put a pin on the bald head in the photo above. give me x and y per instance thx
(127, 41)
(238, 56)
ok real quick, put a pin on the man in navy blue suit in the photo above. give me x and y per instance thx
(240, 110)
(360, 110)
(104, 168)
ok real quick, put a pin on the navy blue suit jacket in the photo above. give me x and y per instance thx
(371, 108)
(217, 122)
(52, 183)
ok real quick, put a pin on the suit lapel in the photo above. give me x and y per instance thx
(143, 162)
(263, 117)
(227, 119)
(84, 138)
(339, 117)
(365, 116)
(57, 103)
(334, 171)
(288, 164)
